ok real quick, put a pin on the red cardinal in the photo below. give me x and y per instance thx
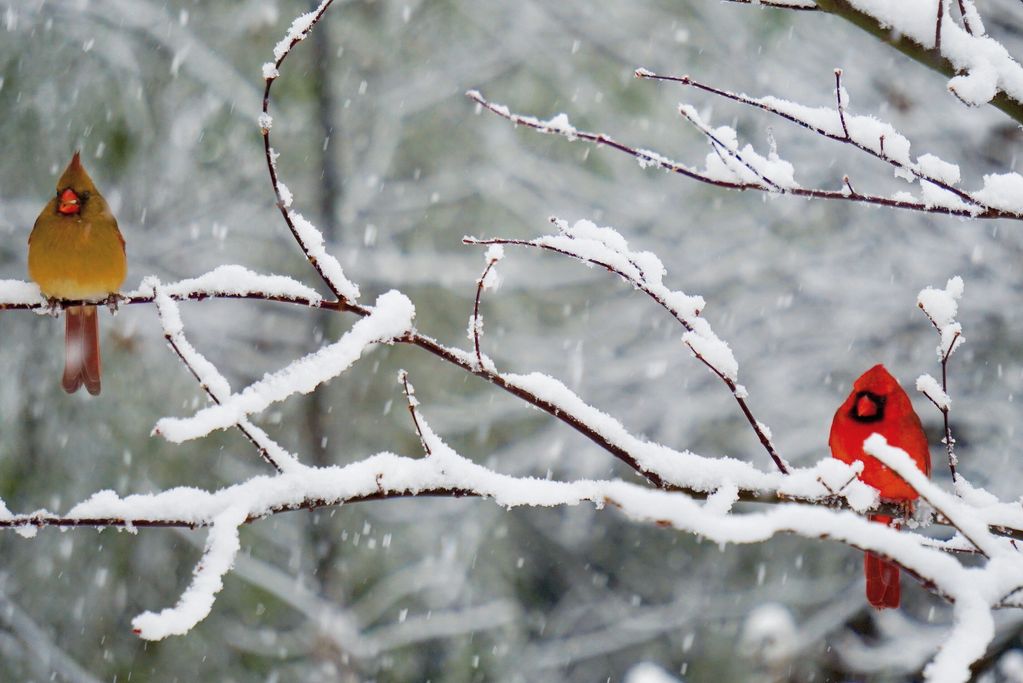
(879, 405)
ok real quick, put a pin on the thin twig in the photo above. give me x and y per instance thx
(838, 101)
(410, 398)
(476, 323)
(735, 154)
(271, 163)
(966, 19)
(949, 441)
(779, 4)
(937, 26)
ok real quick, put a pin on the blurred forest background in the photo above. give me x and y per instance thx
(386, 155)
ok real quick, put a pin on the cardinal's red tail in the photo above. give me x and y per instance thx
(882, 575)
(81, 350)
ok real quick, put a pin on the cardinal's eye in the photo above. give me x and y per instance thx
(868, 407)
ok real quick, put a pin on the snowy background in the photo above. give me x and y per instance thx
(387, 156)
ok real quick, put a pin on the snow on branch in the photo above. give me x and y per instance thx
(212, 382)
(606, 247)
(983, 65)
(1000, 196)
(941, 306)
(222, 547)
(389, 319)
(878, 139)
(234, 282)
(309, 238)
(488, 280)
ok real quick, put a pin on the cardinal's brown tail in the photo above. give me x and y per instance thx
(882, 575)
(81, 350)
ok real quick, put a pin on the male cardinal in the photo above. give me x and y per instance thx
(879, 405)
(76, 252)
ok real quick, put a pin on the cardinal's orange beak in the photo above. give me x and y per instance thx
(68, 203)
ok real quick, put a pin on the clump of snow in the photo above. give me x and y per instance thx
(265, 122)
(711, 349)
(20, 293)
(648, 672)
(941, 306)
(495, 252)
(312, 242)
(561, 125)
(232, 280)
(938, 169)
(929, 387)
(746, 166)
(977, 86)
(286, 197)
(1002, 191)
(298, 31)
(270, 70)
(770, 635)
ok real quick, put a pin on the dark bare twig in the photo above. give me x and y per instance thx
(778, 4)
(270, 155)
(476, 322)
(838, 103)
(966, 19)
(735, 154)
(943, 408)
(937, 25)
(410, 398)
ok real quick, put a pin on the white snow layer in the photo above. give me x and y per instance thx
(390, 318)
(984, 65)
(210, 378)
(941, 306)
(222, 547)
(298, 31)
(929, 387)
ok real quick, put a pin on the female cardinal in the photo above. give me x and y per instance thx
(76, 252)
(879, 405)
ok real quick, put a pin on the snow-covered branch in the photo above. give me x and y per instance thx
(941, 306)
(389, 319)
(606, 248)
(730, 167)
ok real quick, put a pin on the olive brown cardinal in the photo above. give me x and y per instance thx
(879, 405)
(76, 252)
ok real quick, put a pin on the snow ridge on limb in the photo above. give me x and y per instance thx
(212, 382)
(233, 281)
(390, 318)
(309, 239)
(222, 546)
